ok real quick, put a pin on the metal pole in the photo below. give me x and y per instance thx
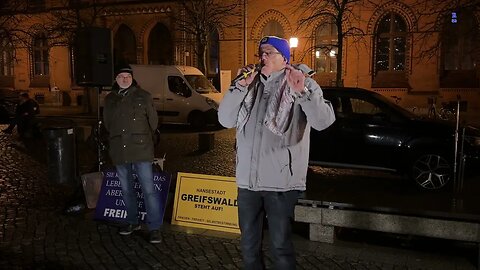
(456, 147)
(461, 166)
(99, 126)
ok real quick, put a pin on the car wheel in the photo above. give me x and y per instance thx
(197, 120)
(431, 171)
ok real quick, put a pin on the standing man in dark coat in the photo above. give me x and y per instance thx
(130, 118)
(25, 113)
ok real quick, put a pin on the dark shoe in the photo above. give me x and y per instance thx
(155, 237)
(127, 230)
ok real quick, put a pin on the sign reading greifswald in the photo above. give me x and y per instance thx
(110, 205)
(206, 201)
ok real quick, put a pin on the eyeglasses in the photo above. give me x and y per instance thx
(119, 77)
(267, 54)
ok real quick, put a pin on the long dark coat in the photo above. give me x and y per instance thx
(130, 120)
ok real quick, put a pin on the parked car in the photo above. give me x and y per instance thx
(372, 132)
(8, 102)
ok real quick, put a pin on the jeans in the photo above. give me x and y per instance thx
(279, 208)
(151, 197)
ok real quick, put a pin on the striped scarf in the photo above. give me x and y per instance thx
(280, 103)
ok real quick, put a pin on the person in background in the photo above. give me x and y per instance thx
(272, 108)
(25, 113)
(131, 119)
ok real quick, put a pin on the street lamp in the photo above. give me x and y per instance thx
(293, 45)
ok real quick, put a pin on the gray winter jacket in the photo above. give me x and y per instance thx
(266, 161)
(130, 121)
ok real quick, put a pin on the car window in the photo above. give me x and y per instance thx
(200, 84)
(178, 86)
(360, 106)
(336, 104)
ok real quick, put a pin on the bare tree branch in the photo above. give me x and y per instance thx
(62, 23)
(11, 28)
(200, 18)
(324, 13)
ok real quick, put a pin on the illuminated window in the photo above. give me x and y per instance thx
(390, 43)
(390, 52)
(326, 48)
(6, 58)
(40, 56)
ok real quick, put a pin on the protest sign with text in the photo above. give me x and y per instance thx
(110, 205)
(206, 201)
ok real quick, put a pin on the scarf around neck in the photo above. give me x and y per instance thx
(279, 105)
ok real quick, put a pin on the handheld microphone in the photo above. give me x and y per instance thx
(245, 74)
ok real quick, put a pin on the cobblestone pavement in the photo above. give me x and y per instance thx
(35, 234)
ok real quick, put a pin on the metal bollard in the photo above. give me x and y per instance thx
(206, 141)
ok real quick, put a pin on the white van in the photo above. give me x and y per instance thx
(181, 94)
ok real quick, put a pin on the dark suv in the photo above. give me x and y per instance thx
(371, 132)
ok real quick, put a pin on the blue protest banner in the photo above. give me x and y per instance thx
(110, 205)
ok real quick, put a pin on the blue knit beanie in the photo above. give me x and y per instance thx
(280, 44)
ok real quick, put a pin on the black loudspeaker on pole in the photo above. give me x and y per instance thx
(93, 65)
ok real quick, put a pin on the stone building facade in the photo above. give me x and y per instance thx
(387, 55)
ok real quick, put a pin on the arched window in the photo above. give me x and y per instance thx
(6, 63)
(390, 52)
(326, 47)
(390, 43)
(273, 28)
(6, 58)
(124, 46)
(160, 46)
(459, 39)
(40, 56)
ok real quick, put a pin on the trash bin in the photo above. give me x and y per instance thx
(60, 154)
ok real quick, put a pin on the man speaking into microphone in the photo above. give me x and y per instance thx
(272, 106)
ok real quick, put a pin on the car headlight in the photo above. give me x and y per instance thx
(212, 103)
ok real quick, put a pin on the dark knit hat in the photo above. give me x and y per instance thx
(121, 68)
(280, 44)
